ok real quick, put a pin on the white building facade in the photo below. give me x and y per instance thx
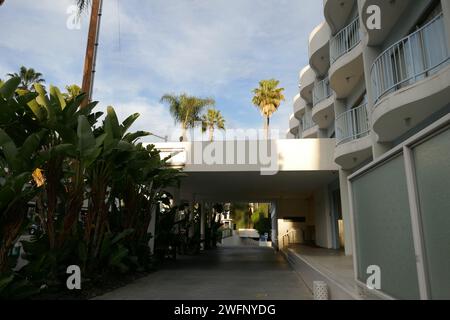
(383, 94)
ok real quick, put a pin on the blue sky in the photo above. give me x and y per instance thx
(217, 48)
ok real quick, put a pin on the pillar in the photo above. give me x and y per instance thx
(152, 230)
(274, 219)
(446, 11)
(345, 203)
(370, 54)
(202, 225)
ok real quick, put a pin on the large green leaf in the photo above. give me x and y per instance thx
(129, 122)
(8, 147)
(131, 137)
(112, 127)
(86, 139)
(57, 96)
(9, 87)
(31, 144)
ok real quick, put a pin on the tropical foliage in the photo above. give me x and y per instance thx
(268, 98)
(27, 77)
(186, 110)
(92, 186)
(211, 120)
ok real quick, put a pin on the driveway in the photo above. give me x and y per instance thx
(228, 273)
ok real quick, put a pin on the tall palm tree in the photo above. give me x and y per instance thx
(268, 98)
(27, 77)
(211, 120)
(186, 110)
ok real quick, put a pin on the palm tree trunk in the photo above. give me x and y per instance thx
(183, 133)
(266, 126)
(211, 134)
(91, 51)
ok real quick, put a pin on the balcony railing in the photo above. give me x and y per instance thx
(307, 121)
(322, 91)
(345, 40)
(352, 125)
(411, 59)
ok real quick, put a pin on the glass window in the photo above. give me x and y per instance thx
(383, 228)
(432, 166)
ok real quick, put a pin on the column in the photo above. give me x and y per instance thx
(446, 11)
(345, 203)
(370, 54)
(202, 225)
(152, 229)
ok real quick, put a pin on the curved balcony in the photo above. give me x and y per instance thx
(390, 12)
(299, 106)
(323, 104)
(353, 144)
(410, 80)
(294, 124)
(346, 54)
(310, 129)
(319, 49)
(307, 78)
(337, 12)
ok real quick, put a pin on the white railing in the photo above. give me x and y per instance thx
(322, 91)
(307, 121)
(353, 124)
(345, 40)
(411, 59)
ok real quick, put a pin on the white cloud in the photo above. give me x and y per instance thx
(216, 47)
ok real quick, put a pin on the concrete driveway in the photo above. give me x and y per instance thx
(228, 273)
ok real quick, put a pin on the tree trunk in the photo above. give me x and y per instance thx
(211, 134)
(266, 126)
(183, 137)
(91, 51)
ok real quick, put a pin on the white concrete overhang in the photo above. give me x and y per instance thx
(319, 49)
(337, 12)
(299, 166)
(294, 125)
(351, 154)
(347, 72)
(307, 78)
(299, 106)
(323, 112)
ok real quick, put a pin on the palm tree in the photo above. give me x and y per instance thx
(186, 110)
(211, 120)
(27, 77)
(72, 91)
(268, 97)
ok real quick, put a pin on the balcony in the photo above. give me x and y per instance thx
(310, 129)
(323, 104)
(352, 137)
(347, 67)
(391, 11)
(299, 106)
(345, 40)
(337, 12)
(319, 49)
(294, 124)
(410, 80)
(307, 78)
